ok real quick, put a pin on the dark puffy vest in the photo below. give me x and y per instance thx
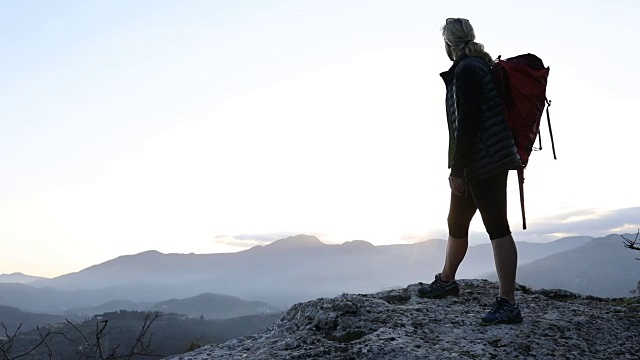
(494, 149)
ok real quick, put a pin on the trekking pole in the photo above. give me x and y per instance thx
(553, 146)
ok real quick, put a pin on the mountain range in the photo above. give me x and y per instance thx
(204, 306)
(295, 269)
(213, 306)
(287, 271)
(12, 318)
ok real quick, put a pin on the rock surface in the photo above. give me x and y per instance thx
(396, 324)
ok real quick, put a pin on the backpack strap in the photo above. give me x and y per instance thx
(539, 142)
(521, 186)
(521, 169)
(553, 146)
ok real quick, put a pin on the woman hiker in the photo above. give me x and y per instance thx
(481, 152)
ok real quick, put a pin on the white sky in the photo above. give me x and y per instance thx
(179, 125)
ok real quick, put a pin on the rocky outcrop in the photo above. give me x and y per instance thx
(396, 324)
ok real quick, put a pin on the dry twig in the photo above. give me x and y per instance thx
(631, 244)
(90, 349)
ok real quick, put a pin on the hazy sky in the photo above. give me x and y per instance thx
(210, 126)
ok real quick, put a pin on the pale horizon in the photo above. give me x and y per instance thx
(266, 239)
(211, 126)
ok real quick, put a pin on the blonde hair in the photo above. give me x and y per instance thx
(459, 34)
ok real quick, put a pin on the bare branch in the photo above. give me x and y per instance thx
(6, 331)
(145, 348)
(5, 356)
(114, 353)
(89, 349)
(100, 334)
(43, 340)
(10, 338)
(86, 341)
(5, 352)
(631, 244)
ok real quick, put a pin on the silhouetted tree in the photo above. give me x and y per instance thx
(118, 335)
(7, 343)
(93, 346)
(631, 244)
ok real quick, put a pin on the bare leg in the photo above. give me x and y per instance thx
(456, 250)
(505, 255)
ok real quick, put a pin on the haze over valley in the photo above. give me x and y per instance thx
(301, 268)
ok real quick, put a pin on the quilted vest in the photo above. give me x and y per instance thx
(494, 149)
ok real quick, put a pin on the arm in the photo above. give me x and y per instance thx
(469, 108)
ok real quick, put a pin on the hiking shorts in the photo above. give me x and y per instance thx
(490, 197)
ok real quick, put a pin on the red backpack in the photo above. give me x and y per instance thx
(522, 83)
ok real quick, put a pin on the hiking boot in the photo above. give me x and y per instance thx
(439, 289)
(503, 313)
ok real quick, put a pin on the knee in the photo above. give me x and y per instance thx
(500, 232)
(458, 230)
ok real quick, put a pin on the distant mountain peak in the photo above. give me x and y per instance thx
(297, 241)
(150, 252)
(18, 277)
(357, 244)
(137, 256)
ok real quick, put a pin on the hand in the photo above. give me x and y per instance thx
(457, 185)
